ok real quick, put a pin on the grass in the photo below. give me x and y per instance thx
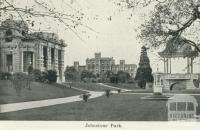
(91, 86)
(118, 107)
(38, 91)
(131, 86)
(189, 91)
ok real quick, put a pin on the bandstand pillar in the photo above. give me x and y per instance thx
(167, 65)
(192, 65)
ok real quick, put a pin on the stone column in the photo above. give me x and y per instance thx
(63, 67)
(166, 65)
(37, 57)
(3, 58)
(56, 59)
(41, 58)
(49, 58)
(188, 66)
(192, 64)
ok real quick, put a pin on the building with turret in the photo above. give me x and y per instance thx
(100, 65)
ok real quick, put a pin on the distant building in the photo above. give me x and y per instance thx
(100, 65)
(20, 49)
(78, 67)
(129, 68)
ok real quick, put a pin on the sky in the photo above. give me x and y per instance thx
(114, 33)
(116, 38)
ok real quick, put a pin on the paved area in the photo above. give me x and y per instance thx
(43, 103)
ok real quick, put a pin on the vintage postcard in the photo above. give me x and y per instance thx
(99, 64)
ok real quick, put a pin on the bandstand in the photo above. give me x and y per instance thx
(178, 50)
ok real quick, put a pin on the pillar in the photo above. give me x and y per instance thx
(49, 58)
(164, 66)
(188, 65)
(191, 64)
(41, 58)
(62, 65)
(56, 64)
(56, 59)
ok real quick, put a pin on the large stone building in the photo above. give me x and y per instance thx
(20, 49)
(129, 68)
(100, 65)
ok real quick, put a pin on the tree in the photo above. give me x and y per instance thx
(38, 12)
(87, 75)
(105, 77)
(114, 79)
(123, 76)
(144, 71)
(173, 22)
(37, 75)
(71, 74)
(170, 21)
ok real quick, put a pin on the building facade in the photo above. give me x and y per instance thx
(122, 66)
(78, 67)
(100, 65)
(20, 49)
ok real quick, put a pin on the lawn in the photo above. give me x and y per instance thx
(131, 86)
(189, 91)
(38, 91)
(118, 107)
(90, 86)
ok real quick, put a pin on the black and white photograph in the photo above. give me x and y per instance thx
(106, 61)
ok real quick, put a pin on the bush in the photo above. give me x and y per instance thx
(37, 75)
(51, 76)
(5, 75)
(20, 81)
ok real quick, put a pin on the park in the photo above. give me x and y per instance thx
(38, 83)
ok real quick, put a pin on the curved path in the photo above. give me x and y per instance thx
(48, 102)
(122, 90)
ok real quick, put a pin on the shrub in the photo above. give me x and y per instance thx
(37, 75)
(20, 81)
(51, 76)
(5, 75)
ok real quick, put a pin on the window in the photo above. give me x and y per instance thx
(181, 106)
(173, 106)
(190, 106)
(8, 36)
